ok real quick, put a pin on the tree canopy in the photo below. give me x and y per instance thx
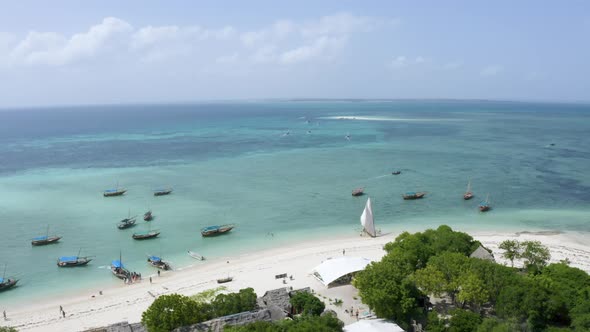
(437, 262)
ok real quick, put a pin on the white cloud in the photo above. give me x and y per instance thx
(402, 61)
(398, 62)
(282, 42)
(491, 70)
(322, 47)
(51, 48)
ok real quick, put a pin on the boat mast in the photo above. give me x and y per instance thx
(469, 186)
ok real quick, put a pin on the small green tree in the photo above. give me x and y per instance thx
(473, 290)
(434, 323)
(464, 321)
(535, 255)
(307, 304)
(511, 250)
(171, 311)
(233, 303)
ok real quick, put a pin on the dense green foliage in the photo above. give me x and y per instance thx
(307, 304)
(327, 323)
(7, 329)
(436, 262)
(171, 311)
(227, 304)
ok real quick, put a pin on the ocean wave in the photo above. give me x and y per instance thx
(386, 118)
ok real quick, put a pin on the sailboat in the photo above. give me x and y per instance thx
(485, 206)
(70, 261)
(367, 219)
(468, 194)
(119, 270)
(6, 283)
(114, 192)
(150, 234)
(45, 239)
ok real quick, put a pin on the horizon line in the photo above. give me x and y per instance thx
(294, 99)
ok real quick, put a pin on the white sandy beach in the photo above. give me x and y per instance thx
(256, 270)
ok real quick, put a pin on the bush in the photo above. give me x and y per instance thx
(464, 321)
(233, 303)
(7, 329)
(171, 311)
(307, 304)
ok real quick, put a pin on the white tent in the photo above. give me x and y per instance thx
(334, 268)
(373, 325)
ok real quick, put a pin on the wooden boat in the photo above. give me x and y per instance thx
(396, 172)
(126, 223)
(224, 280)
(195, 255)
(114, 191)
(7, 283)
(157, 262)
(358, 192)
(216, 230)
(468, 194)
(45, 239)
(119, 270)
(71, 261)
(145, 235)
(413, 195)
(367, 219)
(485, 205)
(148, 216)
(162, 192)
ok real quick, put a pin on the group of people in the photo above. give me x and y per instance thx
(133, 277)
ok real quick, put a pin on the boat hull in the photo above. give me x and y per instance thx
(145, 237)
(224, 280)
(467, 196)
(358, 192)
(114, 193)
(160, 265)
(216, 231)
(74, 264)
(46, 242)
(8, 284)
(484, 208)
(411, 197)
(162, 193)
(148, 216)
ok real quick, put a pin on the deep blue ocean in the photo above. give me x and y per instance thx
(281, 167)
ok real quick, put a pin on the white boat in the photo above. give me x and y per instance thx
(196, 256)
(367, 219)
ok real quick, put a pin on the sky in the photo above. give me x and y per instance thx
(108, 52)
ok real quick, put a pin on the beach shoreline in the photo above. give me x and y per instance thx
(254, 269)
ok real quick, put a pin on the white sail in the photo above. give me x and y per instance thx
(367, 219)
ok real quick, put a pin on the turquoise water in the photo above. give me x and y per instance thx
(234, 163)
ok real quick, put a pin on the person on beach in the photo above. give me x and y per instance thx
(63, 314)
(4, 315)
(158, 273)
(343, 252)
(357, 314)
(61, 309)
(150, 280)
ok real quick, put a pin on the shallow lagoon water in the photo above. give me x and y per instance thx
(235, 163)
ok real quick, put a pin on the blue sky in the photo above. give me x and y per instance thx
(88, 52)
